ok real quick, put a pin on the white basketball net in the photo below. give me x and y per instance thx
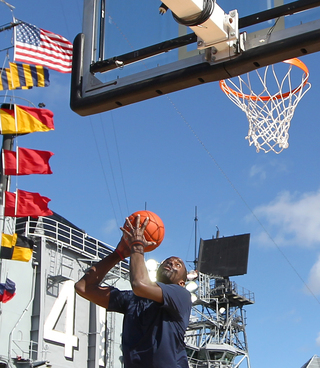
(269, 114)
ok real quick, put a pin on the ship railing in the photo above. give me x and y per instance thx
(70, 237)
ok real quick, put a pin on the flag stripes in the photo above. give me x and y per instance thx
(23, 76)
(38, 46)
(6, 81)
(29, 75)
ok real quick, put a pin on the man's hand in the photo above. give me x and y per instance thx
(139, 278)
(136, 234)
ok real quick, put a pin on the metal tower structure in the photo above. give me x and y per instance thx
(216, 336)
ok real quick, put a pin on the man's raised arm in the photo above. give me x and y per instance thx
(89, 285)
(139, 278)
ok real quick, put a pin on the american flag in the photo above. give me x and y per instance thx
(36, 46)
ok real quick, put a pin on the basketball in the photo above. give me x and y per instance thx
(154, 230)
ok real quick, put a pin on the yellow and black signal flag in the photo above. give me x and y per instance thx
(16, 247)
(23, 76)
(6, 80)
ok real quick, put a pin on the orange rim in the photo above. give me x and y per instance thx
(296, 62)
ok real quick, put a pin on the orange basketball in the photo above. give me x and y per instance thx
(154, 230)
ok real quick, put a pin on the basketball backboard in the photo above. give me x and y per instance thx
(128, 52)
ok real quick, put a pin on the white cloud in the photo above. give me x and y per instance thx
(318, 339)
(269, 168)
(110, 226)
(257, 170)
(295, 219)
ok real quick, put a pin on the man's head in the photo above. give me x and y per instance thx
(172, 271)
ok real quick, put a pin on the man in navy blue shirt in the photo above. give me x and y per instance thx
(156, 314)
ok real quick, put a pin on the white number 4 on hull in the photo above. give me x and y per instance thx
(65, 298)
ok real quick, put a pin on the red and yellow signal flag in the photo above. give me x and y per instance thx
(25, 119)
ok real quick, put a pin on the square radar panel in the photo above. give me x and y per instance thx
(128, 52)
(227, 256)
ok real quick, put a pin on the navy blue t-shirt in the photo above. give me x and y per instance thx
(153, 333)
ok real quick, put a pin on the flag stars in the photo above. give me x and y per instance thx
(28, 34)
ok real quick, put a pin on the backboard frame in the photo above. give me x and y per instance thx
(90, 96)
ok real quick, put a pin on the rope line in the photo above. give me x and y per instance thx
(104, 175)
(111, 167)
(120, 165)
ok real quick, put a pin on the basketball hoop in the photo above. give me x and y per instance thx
(269, 112)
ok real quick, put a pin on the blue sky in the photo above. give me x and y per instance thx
(186, 150)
